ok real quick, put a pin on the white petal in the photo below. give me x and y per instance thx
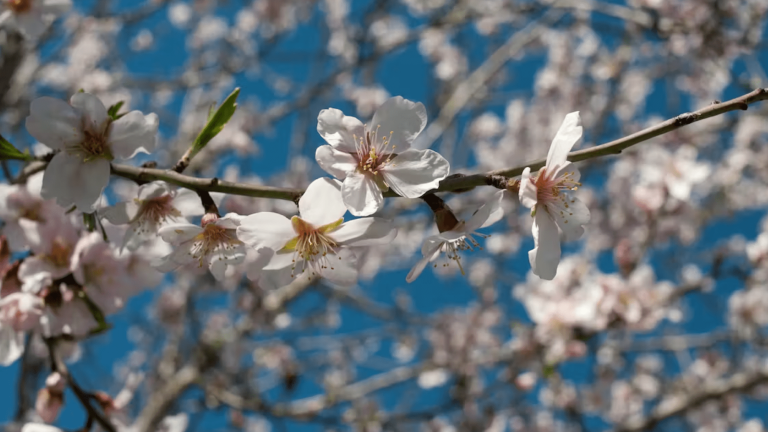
(490, 213)
(342, 272)
(188, 203)
(230, 220)
(413, 173)
(93, 111)
(154, 189)
(179, 233)
(69, 180)
(56, 7)
(39, 427)
(218, 269)
(570, 219)
(54, 123)
(529, 194)
(545, 257)
(403, 118)
(335, 162)
(361, 194)
(265, 230)
(31, 24)
(321, 203)
(133, 133)
(284, 260)
(273, 279)
(365, 232)
(339, 130)
(567, 136)
(430, 251)
(417, 269)
(121, 213)
(11, 345)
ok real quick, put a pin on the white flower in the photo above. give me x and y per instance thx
(24, 213)
(39, 427)
(313, 242)
(548, 195)
(156, 205)
(31, 17)
(214, 245)
(459, 238)
(87, 140)
(373, 158)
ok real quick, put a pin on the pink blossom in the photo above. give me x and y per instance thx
(50, 399)
(548, 197)
(21, 311)
(373, 158)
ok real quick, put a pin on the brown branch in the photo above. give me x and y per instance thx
(455, 183)
(58, 365)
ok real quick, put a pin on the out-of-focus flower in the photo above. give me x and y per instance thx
(87, 140)
(32, 17)
(53, 254)
(21, 311)
(50, 398)
(215, 245)
(316, 239)
(460, 237)
(548, 197)
(23, 213)
(156, 205)
(373, 158)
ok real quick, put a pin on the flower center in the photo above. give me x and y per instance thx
(154, 211)
(374, 152)
(312, 245)
(95, 146)
(213, 239)
(59, 254)
(20, 6)
(464, 243)
(551, 190)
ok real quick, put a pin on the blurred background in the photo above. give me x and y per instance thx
(656, 320)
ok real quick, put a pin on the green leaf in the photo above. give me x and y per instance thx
(216, 122)
(113, 110)
(8, 151)
(89, 220)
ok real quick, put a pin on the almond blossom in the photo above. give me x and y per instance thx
(373, 158)
(19, 312)
(53, 254)
(50, 399)
(23, 213)
(156, 205)
(102, 273)
(87, 140)
(31, 17)
(459, 238)
(548, 196)
(214, 245)
(313, 242)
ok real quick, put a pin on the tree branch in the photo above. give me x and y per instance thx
(454, 183)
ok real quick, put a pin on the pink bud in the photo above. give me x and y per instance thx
(208, 218)
(50, 399)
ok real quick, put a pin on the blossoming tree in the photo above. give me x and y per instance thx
(427, 215)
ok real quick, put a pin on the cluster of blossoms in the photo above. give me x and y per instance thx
(74, 275)
(368, 160)
(66, 272)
